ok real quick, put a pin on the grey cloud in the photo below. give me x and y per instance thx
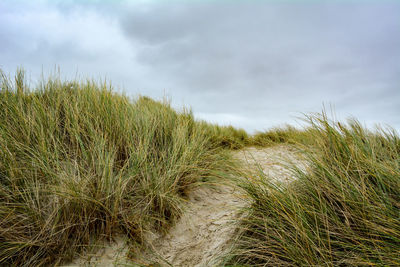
(255, 45)
(252, 64)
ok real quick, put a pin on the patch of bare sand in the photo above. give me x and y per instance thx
(105, 255)
(205, 232)
(275, 161)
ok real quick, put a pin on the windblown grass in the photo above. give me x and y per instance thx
(282, 135)
(344, 211)
(226, 136)
(233, 138)
(79, 163)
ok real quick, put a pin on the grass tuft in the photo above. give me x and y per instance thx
(283, 135)
(344, 211)
(79, 163)
(226, 136)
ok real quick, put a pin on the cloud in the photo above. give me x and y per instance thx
(253, 65)
(262, 57)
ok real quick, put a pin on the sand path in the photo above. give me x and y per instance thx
(205, 232)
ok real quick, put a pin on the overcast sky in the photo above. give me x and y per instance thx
(252, 64)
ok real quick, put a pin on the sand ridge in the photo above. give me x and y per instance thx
(205, 233)
(275, 161)
(206, 230)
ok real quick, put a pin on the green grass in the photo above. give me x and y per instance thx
(226, 136)
(79, 163)
(233, 138)
(282, 135)
(344, 211)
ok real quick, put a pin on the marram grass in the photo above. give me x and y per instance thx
(79, 163)
(343, 211)
(284, 135)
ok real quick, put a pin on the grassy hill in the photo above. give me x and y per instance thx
(79, 163)
(343, 211)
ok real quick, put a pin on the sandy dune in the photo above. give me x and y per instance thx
(205, 231)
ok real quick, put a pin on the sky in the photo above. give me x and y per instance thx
(250, 64)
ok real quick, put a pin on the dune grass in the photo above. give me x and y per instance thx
(344, 211)
(282, 135)
(233, 138)
(227, 137)
(79, 163)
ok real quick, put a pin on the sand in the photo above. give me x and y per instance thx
(206, 230)
(275, 161)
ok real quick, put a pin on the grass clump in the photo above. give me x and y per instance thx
(79, 163)
(282, 135)
(227, 137)
(233, 138)
(344, 211)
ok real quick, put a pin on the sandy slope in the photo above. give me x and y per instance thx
(108, 254)
(205, 231)
(274, 161)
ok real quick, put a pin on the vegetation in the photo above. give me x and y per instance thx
(226, 136)
(232, 138)
(344, 211)
(79, 163)
(287, 135)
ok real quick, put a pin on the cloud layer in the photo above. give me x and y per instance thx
(253, 65)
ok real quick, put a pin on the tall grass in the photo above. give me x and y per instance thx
(79, 163)
(233, 138)
(282, 135)
(344, 211)
(226, 136)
